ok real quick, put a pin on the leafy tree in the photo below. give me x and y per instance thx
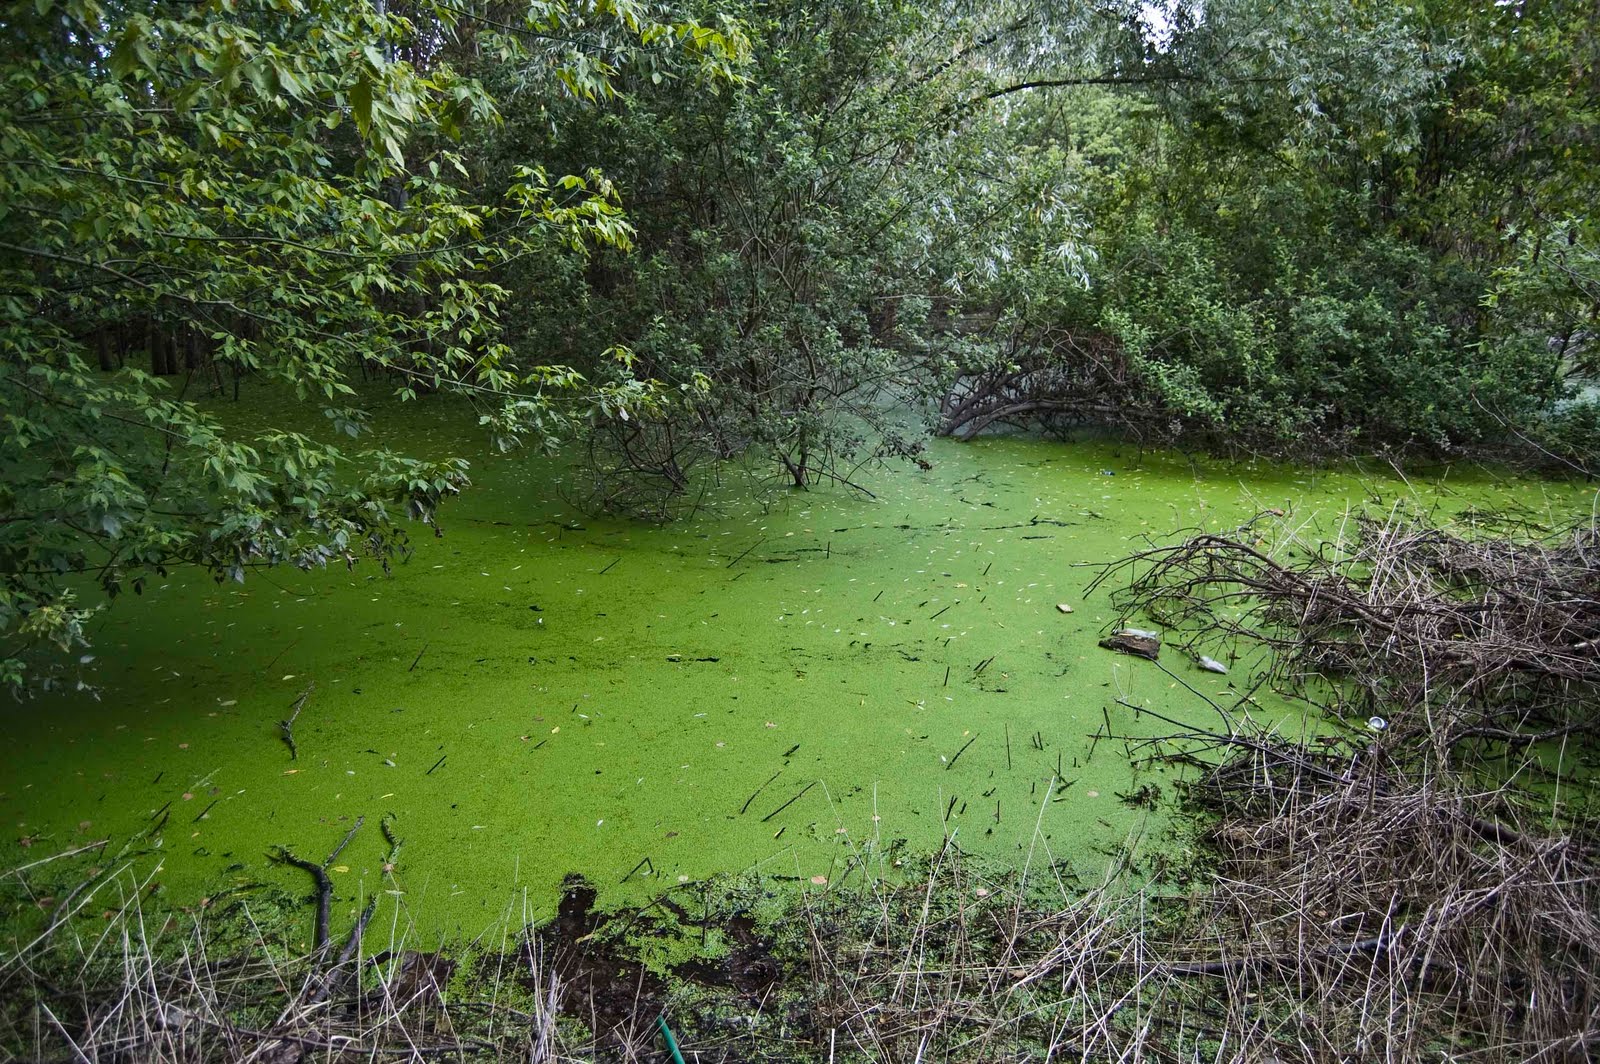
(1317, 238)
(267, 188)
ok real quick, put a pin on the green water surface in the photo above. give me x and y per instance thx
(540, 692)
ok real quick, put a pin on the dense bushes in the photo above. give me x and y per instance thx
(1262, 229)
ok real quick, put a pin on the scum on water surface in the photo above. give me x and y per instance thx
(775, 684)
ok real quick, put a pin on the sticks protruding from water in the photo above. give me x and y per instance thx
(286, 726)
(319, 874)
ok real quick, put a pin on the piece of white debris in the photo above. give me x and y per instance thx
(1063, 607)
(1212, 665)
(1377, 723)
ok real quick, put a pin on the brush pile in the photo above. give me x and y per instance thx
(1448, 636)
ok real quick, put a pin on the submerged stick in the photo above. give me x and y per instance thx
(386, 825)
(287, 726)
(790, 802)
(607, 569)
(418, 658)
(952, 762)
(757, 791)
(747, 550)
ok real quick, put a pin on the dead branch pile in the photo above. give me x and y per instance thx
(1394, 920)
(1342, 916)
(1457, 636)
(1045, 376)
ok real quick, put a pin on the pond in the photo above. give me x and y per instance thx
(810, 685)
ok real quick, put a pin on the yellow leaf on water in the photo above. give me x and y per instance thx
(341, 868)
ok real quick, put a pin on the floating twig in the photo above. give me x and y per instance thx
(286, 726)
(790, 802)
(952, 762)
(747, 550)
(386, 825)
(757, 791)
(337, 850)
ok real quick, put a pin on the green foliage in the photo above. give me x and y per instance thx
(1314, 243)
(275, 190)
(781, 261)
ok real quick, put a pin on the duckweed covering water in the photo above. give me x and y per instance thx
(771, 685)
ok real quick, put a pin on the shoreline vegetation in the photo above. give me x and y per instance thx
(1420, 887)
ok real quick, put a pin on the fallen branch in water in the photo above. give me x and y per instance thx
(286, 726)
(319, 874)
